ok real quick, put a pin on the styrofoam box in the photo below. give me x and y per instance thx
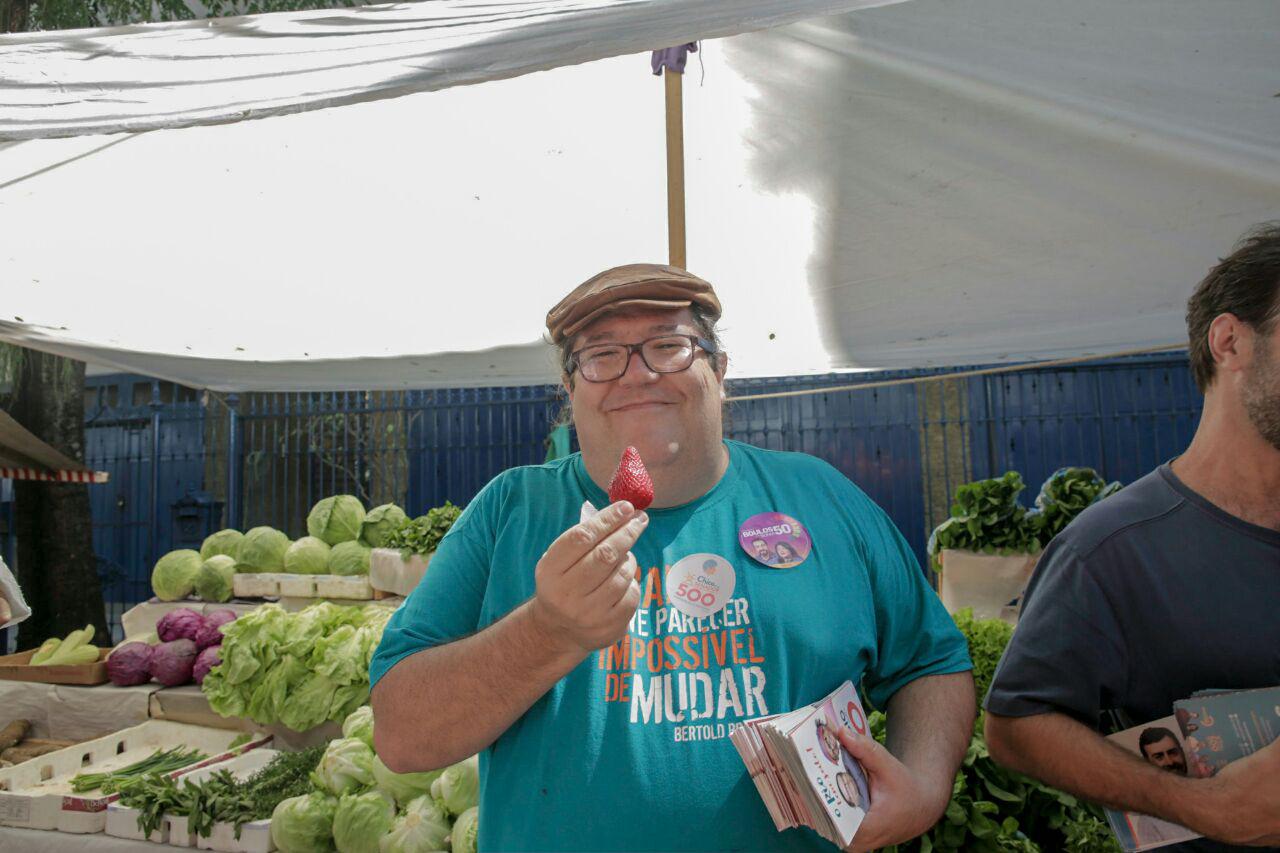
(255, 837)
(389, 572)
(37, 793)
(122, 822)
(257, 584)
(282, 585)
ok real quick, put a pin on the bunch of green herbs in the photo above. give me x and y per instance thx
(986, 517)
(420, 536)
(159, 762)
(1065, 495)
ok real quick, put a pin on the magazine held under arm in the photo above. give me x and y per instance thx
(804, 775)
(1159, 744)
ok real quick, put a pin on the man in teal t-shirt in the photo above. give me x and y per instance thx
(599, 663)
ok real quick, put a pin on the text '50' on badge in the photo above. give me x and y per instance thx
(700, 584)
(775, 540)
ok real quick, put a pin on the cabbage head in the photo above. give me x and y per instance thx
(262, 550)
(336, 519)
(307, 556)
(380, 523)
(403, 786)
(359, 724)
(174, 576)
(304, 824)
(223, 542)
(213, 581)
(464, 831)
(458, 787)
(349, 558)
(423, 828)
(361, 820)
(345, 767)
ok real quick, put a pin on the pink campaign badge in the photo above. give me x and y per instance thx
(775, 540)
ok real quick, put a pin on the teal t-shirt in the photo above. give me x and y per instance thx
(630, 751)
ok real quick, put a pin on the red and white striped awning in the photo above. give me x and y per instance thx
(23, 456)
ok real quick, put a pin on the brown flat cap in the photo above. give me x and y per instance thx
(632, 285)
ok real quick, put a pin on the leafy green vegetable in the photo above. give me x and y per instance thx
(463, 836)
(262, 550)
(359, 724)
(336, 519)
(986, 517)
(380, 523)
(346, 767)
(361, 820)
(304, 824)
(1065, 495)
(159, 762)
(213, 581)
(349, 558)
(421, 535)
(174, 575)
(223, 542)
(423, 828)
(458, 787)
(299, 669)
(307, 556)
(403, 786)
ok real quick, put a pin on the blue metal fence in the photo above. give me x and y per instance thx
(271, 456)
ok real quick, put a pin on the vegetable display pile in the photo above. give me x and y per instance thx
(357, 805)
(221, 798)
(76, 648)
(189, 645)
(986, 516)
(299, 669)
(159, 762)
(995, 810)
(421, 535)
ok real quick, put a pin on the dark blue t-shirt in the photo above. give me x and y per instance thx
(1147, 597)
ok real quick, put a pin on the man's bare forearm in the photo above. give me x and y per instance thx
(1070, 756)
(441, 705)
(930, 723)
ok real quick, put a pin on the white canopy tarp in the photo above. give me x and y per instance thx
(940, 182)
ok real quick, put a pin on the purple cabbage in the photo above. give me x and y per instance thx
(171, 662)
(210, 634)
(181, 624)
(205, 661)
(130, 664)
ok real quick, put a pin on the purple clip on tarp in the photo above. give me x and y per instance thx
(672, 58)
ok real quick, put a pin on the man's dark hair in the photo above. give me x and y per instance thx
(1245, 283)
(1155, 734)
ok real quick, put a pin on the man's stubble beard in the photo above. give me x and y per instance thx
(1262, 395)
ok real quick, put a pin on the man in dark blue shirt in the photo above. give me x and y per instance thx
(1169, 587)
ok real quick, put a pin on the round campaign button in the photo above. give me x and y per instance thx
(775, 540)
(700, 584)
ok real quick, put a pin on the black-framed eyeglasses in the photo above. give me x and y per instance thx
(663, 354)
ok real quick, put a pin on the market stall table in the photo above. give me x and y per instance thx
(44, 841)
(68, 712)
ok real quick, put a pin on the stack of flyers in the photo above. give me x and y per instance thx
(803, 773)
(1221, 726)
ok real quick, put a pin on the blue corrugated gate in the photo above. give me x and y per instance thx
(907, 445)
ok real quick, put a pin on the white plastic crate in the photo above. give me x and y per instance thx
(389, 572)
(37, 793)
(279, 585)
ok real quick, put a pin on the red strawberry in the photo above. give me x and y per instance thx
(631, 482)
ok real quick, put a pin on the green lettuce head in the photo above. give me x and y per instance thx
(359, 724)
(361, 821)
(423, 828)
(223, 542)
(458, 787)
(349, 558)
(403, 786)
(213, 581)
(174, 576)
(307, 556)
(304, 824)
(262, 550)
(336, 519)
(464, 831)
(380, 523)
(345, 767)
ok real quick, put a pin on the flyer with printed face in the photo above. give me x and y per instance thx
(1159, 744)
(804, 775)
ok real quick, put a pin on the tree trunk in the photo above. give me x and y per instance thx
(14, 15)
(52, 521)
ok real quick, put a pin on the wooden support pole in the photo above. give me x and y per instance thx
(675, 169)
